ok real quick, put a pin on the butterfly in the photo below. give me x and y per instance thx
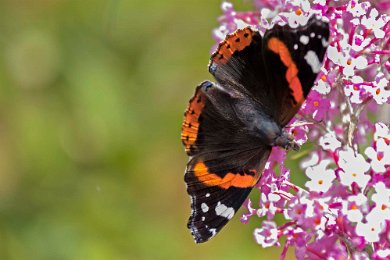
(230, 126)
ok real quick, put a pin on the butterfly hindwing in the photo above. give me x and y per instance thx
(217, 191)
(226, 161)
(209, 120)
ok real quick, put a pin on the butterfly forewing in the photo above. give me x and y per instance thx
(294, 58)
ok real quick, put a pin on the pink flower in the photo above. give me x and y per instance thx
(346, 207)
(268, 206)
(248, 205)
(316, 105)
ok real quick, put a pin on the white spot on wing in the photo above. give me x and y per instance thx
(312, 59)
(192, 203)
(295, 46)
(304, 39)
(325, 43)
(224, 211)
(204, 207)
(213, 232)
(203, 218)
(312, 35)
(207, 195)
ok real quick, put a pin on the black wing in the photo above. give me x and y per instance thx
(226, 160)
(277, 70)
(295, 58)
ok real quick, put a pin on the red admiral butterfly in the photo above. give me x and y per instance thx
(231, 126)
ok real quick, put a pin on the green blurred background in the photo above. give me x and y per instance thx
(91, 104)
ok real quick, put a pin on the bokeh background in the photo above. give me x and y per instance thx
(91, 104)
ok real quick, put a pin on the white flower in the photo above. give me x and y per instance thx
(226, 6)
(328, 216)
(374, 24)
(347, 178)
(383, 253)
(329, 142)
(381, 157)
(221, 32)
(357, 9)
(304, 4)
(353, 168)
(240, 23)
(320, 225)
(379, 92)
(349, 160)
(295, 20)
(309, 206)
(370, 230)
(335, 55)
(350, 64)
(266, 14)
(356, 79)
(345, 60)
(360, 256)
(382, 192)
(268, 204)
(353, 92)
(276, 20)
(301, 15)
(322, 86)
(267, 235)
(359, 42)
(320, 2)
(381, 131)
(354, 206)
(310, 161)
(321, 178)
(381, 212)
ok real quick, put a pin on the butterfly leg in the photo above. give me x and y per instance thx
(287, 142)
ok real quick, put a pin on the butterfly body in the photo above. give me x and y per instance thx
(231, 126)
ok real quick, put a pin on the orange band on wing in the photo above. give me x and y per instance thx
(281, 49)
(190, 125)
(229, 180)
(233, 42)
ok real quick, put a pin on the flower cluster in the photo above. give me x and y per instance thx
(343, 211)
